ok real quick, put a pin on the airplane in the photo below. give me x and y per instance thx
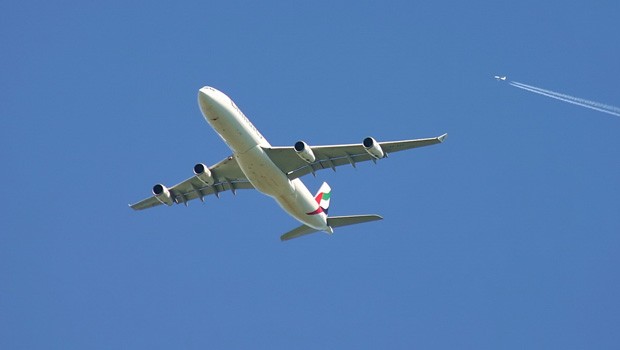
(273, 171)
(502, 78)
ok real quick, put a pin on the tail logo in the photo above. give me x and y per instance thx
(322, 199)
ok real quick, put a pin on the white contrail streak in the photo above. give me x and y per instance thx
(569, 99)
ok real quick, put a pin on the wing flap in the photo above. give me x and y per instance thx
(145, 203)
(395, 146)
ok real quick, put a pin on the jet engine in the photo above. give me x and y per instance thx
(162, 194)
(304, 152)
(373, 148)
(204, 174)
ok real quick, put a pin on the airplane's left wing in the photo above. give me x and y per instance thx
(227, 176)
(303, 159)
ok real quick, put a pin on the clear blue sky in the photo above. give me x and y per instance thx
(507, 236)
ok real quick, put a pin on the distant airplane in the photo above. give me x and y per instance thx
(274, 171)
(500, 78)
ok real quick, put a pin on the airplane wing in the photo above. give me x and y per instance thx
(330, 157)
(227, 175)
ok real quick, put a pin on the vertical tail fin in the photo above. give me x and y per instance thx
(323, 195)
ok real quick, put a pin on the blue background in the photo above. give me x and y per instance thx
(506, 236)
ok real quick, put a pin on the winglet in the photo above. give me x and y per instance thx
(442, 137)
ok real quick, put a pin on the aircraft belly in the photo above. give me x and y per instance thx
(292, 195)
(264, 175)
(233, 132)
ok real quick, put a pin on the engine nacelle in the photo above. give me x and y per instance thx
(373, 148)
(204, 174)
(162, 194)
(304, 152)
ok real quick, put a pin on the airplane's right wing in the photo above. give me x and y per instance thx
(227, 177)
(330, 157)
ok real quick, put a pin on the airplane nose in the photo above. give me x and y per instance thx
(207, 100)
(206, 94)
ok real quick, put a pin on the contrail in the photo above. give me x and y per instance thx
(597, 106)
(569, 97)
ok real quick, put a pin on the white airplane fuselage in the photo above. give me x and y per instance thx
(246, 143)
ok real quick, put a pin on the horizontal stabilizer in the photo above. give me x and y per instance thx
(336, 221)
(298, 232)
